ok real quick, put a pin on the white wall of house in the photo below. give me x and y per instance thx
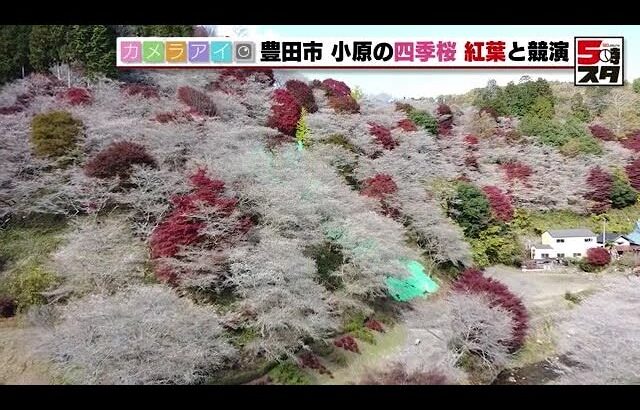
(574, 247)
(543, 253)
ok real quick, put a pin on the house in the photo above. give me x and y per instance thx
(564, 243)
(614, 239)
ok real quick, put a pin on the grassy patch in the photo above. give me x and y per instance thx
(288, 372)
(25, 246)
(341, 141)
(538, 345)
(354, 324)
(619, 220)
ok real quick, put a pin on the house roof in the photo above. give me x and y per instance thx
(609, 237)
(541, 246)
(571, 233)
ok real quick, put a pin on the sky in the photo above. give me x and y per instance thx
(425, 83)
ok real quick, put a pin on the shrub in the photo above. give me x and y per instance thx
(285, 112)
(471, 139)
(632, 141)
(512, 136)
(407, 125)
(490, 111)
(495, 245)
(27, 283)
(470, 209)
(600, 184)
(443, 109)
(602, 132)
(473, 281)
(8, 306)
(347, 343)
(622, 194)
(383, 136)
(500, 202)
(379, 186)
(302, 130)
(404, 107)
(374, 325)
(141, 335)
(344, 104)
(478, 333)
(289, 373)
(445, 121)
(598, 257)
(55, 133)
(118, 159)
(398, 375)
(335, 88)
(180, 228)
(142, 90)
(515, 170)
(633, 173)
(10, 110)
(173, 116)
(261, 75)
(310, 361)
(76, 96)
(471, 161)
(199, 102)
(303, 94)
(425, 120)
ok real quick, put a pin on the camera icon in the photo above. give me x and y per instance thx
(244, 52)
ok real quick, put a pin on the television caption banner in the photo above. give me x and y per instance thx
(599, 60)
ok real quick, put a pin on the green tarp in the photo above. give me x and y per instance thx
(416, 285)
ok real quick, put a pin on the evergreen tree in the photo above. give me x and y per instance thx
(14, 52)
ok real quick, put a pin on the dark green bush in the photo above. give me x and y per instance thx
(425, 120)
(54, 134)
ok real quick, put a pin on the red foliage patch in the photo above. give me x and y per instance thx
(8, 306)
(174, 117)
(500, 202)
(11, 109)
(180, 229)
(344, 104)
(515, 170)
(335, 88)
(600, 183)
(383, 136)
(142, 90)
(285, 112)
(602, 132)
(347, 343)
(117, 160)
(473, 281)
(598, 256)
(303, 94)
(199, 102)
(445, 120)
(443, 109)
(633, 173)
(632, 141)
(471, 139)
(76, 96)
(311, 361)
(407, 125)
(379, 186)
(374, 325)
